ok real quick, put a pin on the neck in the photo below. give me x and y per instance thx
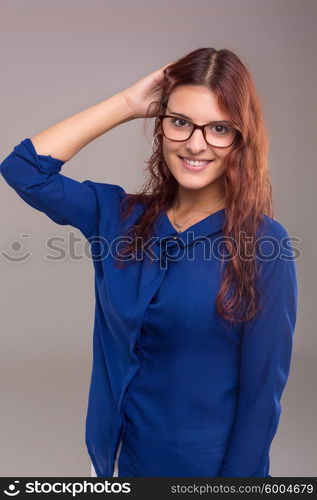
(204, 200)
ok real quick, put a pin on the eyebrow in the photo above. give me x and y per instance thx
(188, 118)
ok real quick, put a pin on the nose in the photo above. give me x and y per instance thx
(197, 142)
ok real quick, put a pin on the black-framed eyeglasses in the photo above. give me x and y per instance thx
(173, 130)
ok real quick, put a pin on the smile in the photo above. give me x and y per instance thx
(194, 166)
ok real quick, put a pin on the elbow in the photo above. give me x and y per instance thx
(7, 173)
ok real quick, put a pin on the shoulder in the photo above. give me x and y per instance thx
(111, 200)
(272, 227)
(108, 198)
(106, 189)
(274, 240)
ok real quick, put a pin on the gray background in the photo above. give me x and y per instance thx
(58, 58)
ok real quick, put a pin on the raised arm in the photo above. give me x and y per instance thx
(69, 136)
(33, 167)
(64, 139)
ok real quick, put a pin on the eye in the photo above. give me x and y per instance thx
(174, 120)
(226, 130)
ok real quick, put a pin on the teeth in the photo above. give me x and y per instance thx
(195, 163)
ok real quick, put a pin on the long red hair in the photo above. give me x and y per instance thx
(248, 190)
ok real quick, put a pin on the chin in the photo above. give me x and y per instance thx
(187, 183)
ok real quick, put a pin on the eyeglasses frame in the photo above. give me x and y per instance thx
(201, 127)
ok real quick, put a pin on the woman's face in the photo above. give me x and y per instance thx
(199, 104)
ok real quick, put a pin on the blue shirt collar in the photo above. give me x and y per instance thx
(205, 227)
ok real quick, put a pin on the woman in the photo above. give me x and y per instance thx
(193, 335)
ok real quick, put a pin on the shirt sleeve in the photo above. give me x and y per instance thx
(265, 357)
(38, 181)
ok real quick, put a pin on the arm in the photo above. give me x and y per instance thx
(33, 167)
(64, 139)
(265, 357)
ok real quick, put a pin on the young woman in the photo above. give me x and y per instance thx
(196, 289)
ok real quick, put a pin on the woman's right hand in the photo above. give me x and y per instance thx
(139, 95)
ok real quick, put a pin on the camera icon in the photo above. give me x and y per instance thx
(12, 490)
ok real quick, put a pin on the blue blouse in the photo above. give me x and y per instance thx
(189, 395)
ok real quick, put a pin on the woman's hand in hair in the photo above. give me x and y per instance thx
(139, 95)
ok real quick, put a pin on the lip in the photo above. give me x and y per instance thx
(192, 168)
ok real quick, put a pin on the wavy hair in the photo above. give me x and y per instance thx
(248, 190)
